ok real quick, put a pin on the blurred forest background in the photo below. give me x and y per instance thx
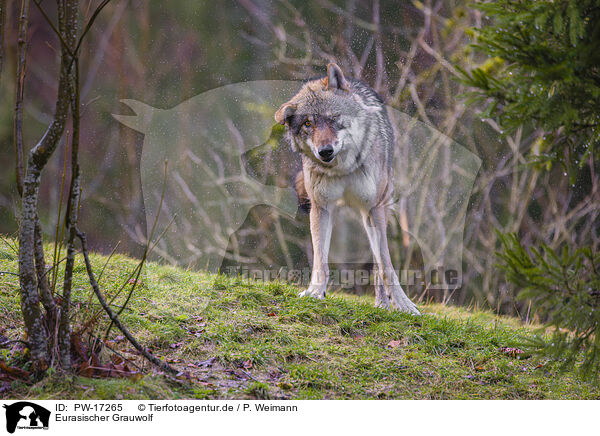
(410, 52)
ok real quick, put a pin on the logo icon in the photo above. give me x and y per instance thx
(26, 415)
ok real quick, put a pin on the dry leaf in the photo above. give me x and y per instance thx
(85, 370)
(395, 344)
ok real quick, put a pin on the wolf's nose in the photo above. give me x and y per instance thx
(326, 152)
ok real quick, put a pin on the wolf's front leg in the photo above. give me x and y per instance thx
(321, 220)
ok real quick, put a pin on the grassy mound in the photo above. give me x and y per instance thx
(240, 339)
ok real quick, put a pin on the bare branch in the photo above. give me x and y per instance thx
(113, 317)
(58, 237)
(352, 18)
(379, 61)
(63, 43)
(90, 22)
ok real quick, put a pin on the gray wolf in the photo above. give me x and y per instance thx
(342, 131)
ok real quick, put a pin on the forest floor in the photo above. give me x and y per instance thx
(237, 339)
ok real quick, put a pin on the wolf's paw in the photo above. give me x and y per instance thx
(402, 303)
(406, 306)
(410, 308)
(314, 291)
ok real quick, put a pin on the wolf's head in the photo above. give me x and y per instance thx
(326, 120)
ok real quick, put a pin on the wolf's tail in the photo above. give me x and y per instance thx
(303, 199)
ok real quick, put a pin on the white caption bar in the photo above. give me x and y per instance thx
(155, 417)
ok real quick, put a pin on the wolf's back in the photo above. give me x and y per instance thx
(378, 127)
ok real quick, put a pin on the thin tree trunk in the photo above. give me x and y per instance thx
(38, 157)
(42, 278)
(2, 25)
(40, 263)
(64, 328)
(21, 71)
(30, 307)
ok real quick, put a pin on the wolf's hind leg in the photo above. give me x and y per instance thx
(381, 297)
(375, 223)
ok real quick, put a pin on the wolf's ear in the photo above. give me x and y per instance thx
(335, 78)
(284, 112)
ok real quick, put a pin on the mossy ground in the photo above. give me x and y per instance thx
(240, 339)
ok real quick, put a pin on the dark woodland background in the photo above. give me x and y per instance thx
(163, 53)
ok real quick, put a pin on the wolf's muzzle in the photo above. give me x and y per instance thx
(326, 153)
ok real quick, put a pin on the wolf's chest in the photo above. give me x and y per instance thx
(357, 190)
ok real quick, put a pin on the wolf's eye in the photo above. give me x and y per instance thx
(307, 123)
